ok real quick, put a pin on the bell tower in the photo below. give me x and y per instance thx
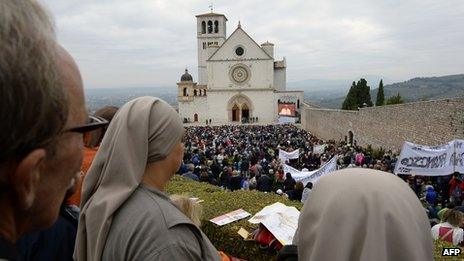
(211, 33)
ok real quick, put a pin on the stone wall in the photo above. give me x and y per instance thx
(428, 123)
(194, 105)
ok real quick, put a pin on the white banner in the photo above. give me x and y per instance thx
(457, 158)
(285, 156)
(296, 174)
(330, 166)
(319, 149)
(285, 120)
(423, 160)
(280, 220)
(312, 176)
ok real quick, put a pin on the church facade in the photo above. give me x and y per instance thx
(239, 81)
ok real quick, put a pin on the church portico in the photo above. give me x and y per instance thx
(240, 108)
(230, 106)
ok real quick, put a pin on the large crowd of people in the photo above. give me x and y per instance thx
(247, 157)
(363, 211)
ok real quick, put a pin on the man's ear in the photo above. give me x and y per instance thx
(26, 178)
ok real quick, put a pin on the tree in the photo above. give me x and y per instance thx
(350, 102)
(363, 94)
(358, 96)
(380, 95)
(396, 99)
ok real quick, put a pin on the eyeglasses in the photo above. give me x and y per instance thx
(95, 122)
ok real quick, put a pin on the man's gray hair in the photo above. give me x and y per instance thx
(33, 103)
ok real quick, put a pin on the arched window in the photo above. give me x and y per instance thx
(194, 92)
(204, 92)
(185, 92)
(210, 27)
(216, 26)
(235, 113)
(200, 92)
(245, 113)
(195, 117)
(203, 27)
(350, 138)
(298, 103)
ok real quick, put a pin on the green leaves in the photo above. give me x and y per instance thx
(358, 96)
(396, 99)
(439, 245)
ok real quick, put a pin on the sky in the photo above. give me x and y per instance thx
(148, 43)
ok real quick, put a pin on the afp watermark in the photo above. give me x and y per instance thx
(450, 251)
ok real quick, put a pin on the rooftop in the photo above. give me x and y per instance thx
(210, 14)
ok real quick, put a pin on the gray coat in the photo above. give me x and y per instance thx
(150, 227)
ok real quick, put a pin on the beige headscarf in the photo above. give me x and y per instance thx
(361, 214)
(143, 130)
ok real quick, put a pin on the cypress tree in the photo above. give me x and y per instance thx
(363, 94)
(380, 95)
(350, 102)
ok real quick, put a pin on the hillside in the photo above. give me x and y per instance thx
(430, 88)
(416, 89)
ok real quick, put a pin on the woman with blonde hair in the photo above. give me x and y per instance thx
(126, 215)
(190, 207)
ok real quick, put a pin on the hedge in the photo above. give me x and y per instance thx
(225, 238)
(217, 202)
(439, 245)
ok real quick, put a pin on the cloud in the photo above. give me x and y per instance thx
(149, 42)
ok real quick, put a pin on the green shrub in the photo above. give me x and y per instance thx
(439, 245)
(218, 202)
(378, 153)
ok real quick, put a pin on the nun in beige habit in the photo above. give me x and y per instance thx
(363, 214)
(126, 214)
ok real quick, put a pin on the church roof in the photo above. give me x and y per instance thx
(239, 27)
(186, 77)
(210, 15)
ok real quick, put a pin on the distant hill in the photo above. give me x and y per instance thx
(97, 98)
(416, 89)
(333, 85)
(429, 88)
(311, 85)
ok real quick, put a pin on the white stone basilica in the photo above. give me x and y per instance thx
(238, 80)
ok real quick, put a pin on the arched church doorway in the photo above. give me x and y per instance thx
(350, 138)
(195, 117)
(235, 113)
(245, 113)
(240, 108)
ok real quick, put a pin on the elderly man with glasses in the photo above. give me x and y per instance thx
(43, 118)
